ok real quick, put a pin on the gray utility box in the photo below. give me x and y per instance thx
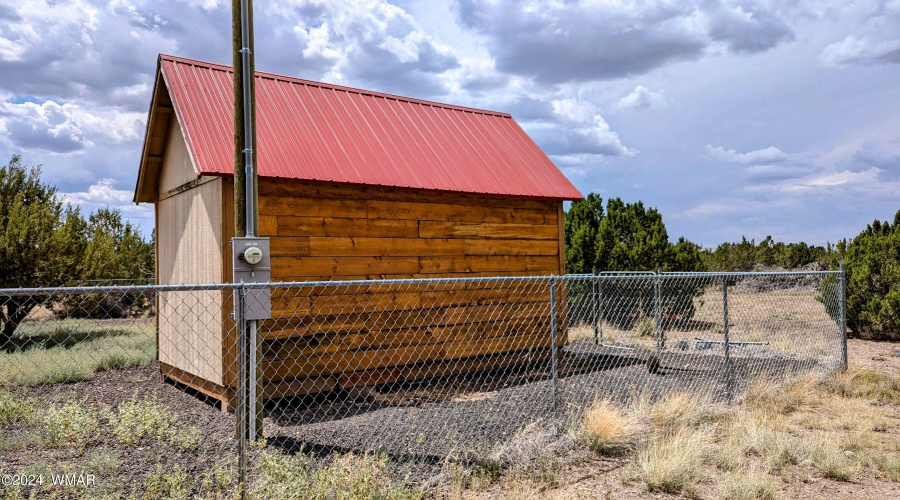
(250, 260)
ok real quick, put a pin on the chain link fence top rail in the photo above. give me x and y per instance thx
(430, 369)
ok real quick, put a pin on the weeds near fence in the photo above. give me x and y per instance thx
(134, 421)
(347, 477)
(115, 444)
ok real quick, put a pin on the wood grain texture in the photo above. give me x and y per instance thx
(275, 187)
(441, 229)
(369, 334)
(325, 337)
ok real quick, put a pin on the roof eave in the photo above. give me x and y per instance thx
(142, 191)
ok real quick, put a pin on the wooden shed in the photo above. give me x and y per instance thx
(353, 185)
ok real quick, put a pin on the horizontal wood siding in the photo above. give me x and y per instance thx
(324, 232)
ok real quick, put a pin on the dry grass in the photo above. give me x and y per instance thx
(834, 427)
(834, 462)
(750, 484)
(889, 466)
(802, 392)
(673, 462)
(679, 409)
(754, 438)
(606, 429)
(866, 383)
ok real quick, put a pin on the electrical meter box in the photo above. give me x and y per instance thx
(250, 260)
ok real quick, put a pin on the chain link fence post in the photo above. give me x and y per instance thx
(660, 340)
(842, 314)
(596, 308)
(727, 343)
(245, 411)
(553, 348)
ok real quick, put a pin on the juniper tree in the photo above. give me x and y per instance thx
(41, 238)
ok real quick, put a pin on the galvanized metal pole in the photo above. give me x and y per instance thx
(727, 374)
(600, 309)
(596, 308)
(246, 218)
(249, 105)
(842, 314)
(660, 342)
(241, 413)
(553, 339)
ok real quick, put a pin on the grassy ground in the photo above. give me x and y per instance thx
(71, 350)
(809, 438)
(835, 437)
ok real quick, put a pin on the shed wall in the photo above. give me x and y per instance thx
(177, 168)
(328, 232)
(189, 250)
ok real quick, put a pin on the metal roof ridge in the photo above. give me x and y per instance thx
(332, 86)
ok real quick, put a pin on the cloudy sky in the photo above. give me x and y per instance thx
(753, 117)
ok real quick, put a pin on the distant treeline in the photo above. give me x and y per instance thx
(631, 237)
(747, 255)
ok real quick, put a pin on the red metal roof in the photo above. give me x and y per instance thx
(319, 132)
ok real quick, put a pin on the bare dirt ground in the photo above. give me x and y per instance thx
(882, 356)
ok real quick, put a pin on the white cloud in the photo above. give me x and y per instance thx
(770, 154)
(874, 36)
(641, 97)
(40, 26)
(578, 133)
(861, 52)
(367, 41)
(65, 128)
(104, 194)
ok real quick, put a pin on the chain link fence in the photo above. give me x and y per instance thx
(141, 390)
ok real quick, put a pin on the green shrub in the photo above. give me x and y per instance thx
(174, 485)
(873, 281)
(136, 420)
(71, 424)
(348, 477)
(13, 409)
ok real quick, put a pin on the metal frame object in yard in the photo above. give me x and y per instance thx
(425, 368)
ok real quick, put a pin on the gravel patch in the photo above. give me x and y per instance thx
(471, 416)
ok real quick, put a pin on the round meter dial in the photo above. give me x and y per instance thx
(252, 256)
